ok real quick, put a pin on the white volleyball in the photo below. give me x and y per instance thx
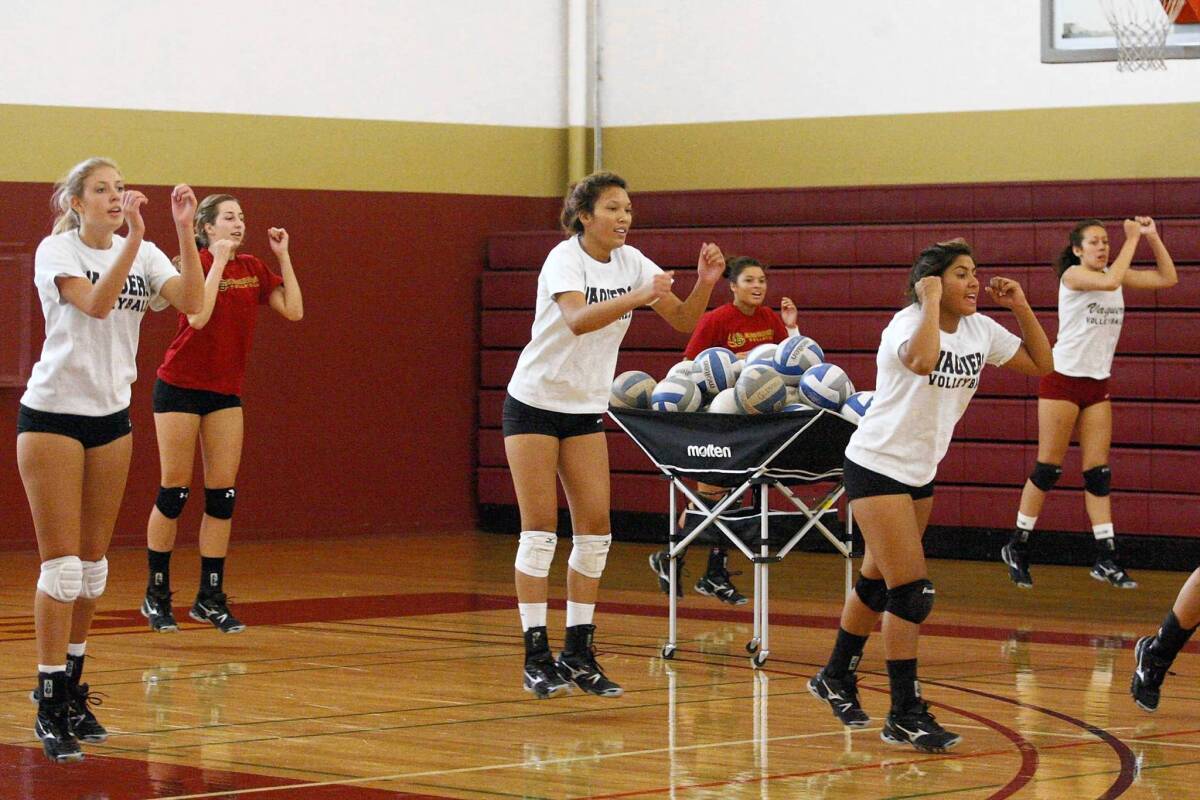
(676, 394)
(856, 406)
(681, 368)
(724, 403)
(794, 356)
(632, 389)
(713, 370)
(826, 386)
(760, 390)
(766, 351)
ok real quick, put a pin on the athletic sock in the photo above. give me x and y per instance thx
(533, 615)
(847, 652)
(212, 574)
(1024, 528)
(160, 571)
(1170, 638)
(1104, 534)
(902, 675)
(580, 613)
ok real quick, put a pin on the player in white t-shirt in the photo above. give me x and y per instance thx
(554, 414)
(73, 429)
(930, 358)
(1091, 309)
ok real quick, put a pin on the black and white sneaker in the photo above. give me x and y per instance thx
(1017, 560)
(661, 564)
(156, 607)
(917, 727)
(83, 722)
(1148, 674)
(842, 696)
(542, 678)
(577, 663)
(715, 582)
(1108, 570)
(214, 608)
(53, 727)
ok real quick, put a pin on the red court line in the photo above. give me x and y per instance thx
(28, 775)
(334, 609)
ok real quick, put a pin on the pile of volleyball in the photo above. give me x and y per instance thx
(789, 377)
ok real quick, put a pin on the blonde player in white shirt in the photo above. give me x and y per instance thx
(930, 358)
(1091, 309)
(73, 429)
(554, 414)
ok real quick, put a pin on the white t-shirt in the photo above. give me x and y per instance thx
(557, 370)
(88, 364)
(913, 416)
(1089, 325)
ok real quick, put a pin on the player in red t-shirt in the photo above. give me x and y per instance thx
(740, 326)
(198, 393)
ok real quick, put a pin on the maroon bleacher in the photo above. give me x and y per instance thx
(842, 254)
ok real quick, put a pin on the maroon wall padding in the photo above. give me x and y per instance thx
(338, 406)
(843, 255)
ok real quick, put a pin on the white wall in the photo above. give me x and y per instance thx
(467, 61)
(669, 61)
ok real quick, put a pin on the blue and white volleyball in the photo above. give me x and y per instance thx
(794, 356)
(632, 389)
(826, 386)
(724, 403)
(676, 394)
(763, 351)
(760, 390)
(856, 406)
(792, 408)
(713, 370)
(681, 368)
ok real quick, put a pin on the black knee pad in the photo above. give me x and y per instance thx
(912, 601)
(171, 500)
(1098, 480)
(1044, 476)
(218, 503)
(873, 593)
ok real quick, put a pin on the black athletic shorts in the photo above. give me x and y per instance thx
(521, 418)
(862, 482)
(88, 431)
(168, 398)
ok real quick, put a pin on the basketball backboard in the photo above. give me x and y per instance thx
(1076, 30)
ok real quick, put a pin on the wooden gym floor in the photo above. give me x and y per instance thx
(390, 668)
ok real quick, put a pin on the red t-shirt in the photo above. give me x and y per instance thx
(214, 357)
(726, 326)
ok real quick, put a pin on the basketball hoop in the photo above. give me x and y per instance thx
(1141, 28)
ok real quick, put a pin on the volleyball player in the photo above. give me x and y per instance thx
(1155, 654)
(553, 414)
(930, 358)
(73, 430)
(1091, 310)
(198, 393)
(740, 325)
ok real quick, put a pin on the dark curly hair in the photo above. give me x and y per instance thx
(934, 260)
(582, 196)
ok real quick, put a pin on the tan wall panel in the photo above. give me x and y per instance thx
(1150, 141)
(42, 142)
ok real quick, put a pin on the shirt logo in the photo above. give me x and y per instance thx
(957, 372)
(250, 282)
(1098, 314)
(736, 340)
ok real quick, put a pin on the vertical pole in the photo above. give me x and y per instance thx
(597, 77)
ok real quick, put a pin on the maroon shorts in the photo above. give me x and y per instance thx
(1083, 392)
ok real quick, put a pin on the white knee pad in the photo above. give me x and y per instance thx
(536, 552)
(62, 578)
(589, 554)
(95, 578)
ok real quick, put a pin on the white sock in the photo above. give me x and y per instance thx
(76, 649)
(1102, 532)
(533, 615)
(1025, 523)
(52, 668)
(580, 613)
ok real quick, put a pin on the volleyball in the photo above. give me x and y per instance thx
(713, 370)
(676, 394)
(794, 355)
(826, 386)
(631, 389)
(766, 351)
(856, 406)
(681, 368)
(724, 403)
(760, 390)
(792, 408)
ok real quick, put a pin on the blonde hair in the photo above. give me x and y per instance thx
(72, 186)
(206, 214)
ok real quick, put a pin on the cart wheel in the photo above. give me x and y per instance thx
(668, 651)
(752, 646)
(758, 660)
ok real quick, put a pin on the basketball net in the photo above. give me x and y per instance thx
(1141, 28)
